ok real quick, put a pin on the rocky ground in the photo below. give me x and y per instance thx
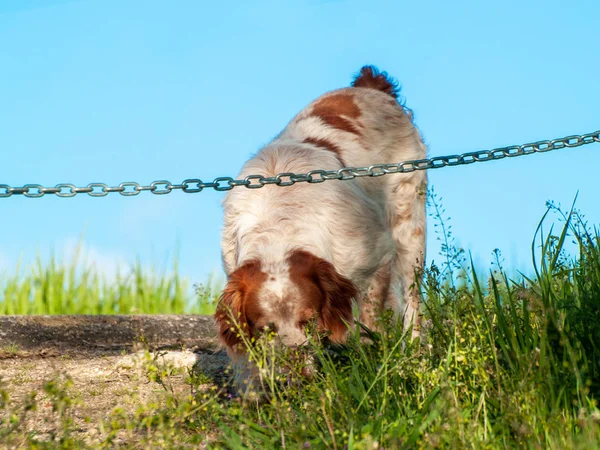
(97, 377)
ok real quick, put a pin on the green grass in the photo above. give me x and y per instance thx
(75, 288)
(501, 364)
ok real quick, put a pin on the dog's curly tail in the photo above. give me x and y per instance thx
(370, 77)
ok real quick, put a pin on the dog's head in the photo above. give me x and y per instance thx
(285, 301)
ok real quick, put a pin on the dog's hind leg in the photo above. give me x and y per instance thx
(408, 222)
(373, 301)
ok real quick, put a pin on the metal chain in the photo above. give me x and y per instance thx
(192, 186)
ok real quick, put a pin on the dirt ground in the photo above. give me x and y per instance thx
(102, 380)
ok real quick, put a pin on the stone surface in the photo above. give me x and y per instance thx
(110, 332)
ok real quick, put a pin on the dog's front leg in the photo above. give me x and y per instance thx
(246, 376)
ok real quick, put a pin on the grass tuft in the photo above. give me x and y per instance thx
(75, 288)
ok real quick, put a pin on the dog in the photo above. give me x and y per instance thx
(304, 252)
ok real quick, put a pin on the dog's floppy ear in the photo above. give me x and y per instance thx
(337, 292)
(231, 314)
(336, 310)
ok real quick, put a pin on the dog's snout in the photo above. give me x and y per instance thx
(291, 337)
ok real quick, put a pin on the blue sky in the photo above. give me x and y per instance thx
(112, 91)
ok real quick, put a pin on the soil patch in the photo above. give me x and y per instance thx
(116, 368)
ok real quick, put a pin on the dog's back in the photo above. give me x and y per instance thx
(362, 125)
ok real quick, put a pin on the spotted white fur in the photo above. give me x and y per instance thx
(371, 229)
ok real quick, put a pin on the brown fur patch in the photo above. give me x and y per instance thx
(405, 216)
(417, 232)
(370, 77)
(402, 216)
(324, 143)
(238, 307)
(325, 290)
(337, 104)
(337, 111)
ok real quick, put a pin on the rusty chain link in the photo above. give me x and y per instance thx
(195, 185)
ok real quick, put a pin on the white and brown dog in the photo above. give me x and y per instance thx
(303, 252)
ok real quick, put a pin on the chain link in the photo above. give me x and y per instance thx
(195, 185)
